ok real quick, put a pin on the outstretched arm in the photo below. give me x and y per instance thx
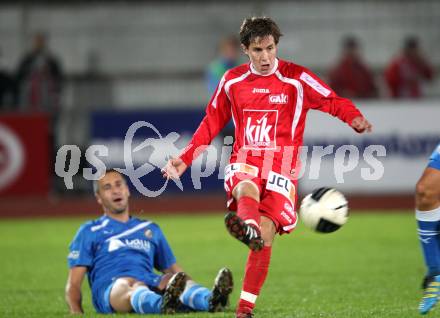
(320, 96)
(73, 289)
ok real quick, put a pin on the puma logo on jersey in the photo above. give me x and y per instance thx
(260, 128)
(260, 91)
(278, 99)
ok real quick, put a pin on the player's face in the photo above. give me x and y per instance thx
(113, 193)
(262, 53)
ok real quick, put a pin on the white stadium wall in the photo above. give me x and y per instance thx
(171, 36)
(408, 131)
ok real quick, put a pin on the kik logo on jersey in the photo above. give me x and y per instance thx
(260, 129)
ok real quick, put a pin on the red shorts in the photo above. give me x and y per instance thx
(277, 194)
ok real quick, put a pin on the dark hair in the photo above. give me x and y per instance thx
(411, 42)
(350, 42)
(258, 27)
(95, 182)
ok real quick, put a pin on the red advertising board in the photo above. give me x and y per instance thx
(24, 154)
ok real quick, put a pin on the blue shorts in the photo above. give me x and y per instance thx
(101, 300)
(434, 160)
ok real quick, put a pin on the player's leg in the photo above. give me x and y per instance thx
(245, 224)
(120, 294)
(242, 188)
(127, 295)
(247, 196)
(428, 190)
(277, 216)
(428, 219)
(223, 286)
(200, 298)
(256, 270)
(173, 291)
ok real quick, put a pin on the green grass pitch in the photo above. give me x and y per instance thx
(372, 267)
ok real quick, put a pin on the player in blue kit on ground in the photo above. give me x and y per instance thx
(428, 219)
(119, 254)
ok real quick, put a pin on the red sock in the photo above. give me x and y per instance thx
(256, 270)
(247, 210)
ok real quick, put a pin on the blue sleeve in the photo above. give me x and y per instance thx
(435, 154)
(81, 248)
(164, 256)
(434, 160)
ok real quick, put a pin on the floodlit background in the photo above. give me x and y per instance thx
(113, 63)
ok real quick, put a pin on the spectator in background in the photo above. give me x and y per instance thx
(228, 57)
(6, 87)
(39, 78)
(350, 77)
(406, 71)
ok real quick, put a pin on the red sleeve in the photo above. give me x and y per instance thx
(319, 95)
(218, 113)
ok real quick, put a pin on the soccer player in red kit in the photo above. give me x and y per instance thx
(268, 100)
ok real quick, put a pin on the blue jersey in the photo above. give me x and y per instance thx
(434, 160)
(111, 249)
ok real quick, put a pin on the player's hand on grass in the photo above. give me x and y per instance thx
(361, 124)
(164, 281)
(174, 168)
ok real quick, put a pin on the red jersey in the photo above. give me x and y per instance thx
(269, 114)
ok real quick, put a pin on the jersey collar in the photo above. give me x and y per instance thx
(106, 217)
(274, 69)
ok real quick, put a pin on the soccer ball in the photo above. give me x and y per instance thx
(324, 210)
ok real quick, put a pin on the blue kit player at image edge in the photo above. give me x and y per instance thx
(428, 221)
(434, 160)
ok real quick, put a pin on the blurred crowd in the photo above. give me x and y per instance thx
(351, 76)
(37, 82)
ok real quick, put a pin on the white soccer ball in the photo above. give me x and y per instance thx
(324, 210)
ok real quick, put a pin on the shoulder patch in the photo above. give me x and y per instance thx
(314, 84)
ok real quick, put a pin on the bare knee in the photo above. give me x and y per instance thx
(121, 293)
(427, 196)
(268, 231)
(246, 189)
